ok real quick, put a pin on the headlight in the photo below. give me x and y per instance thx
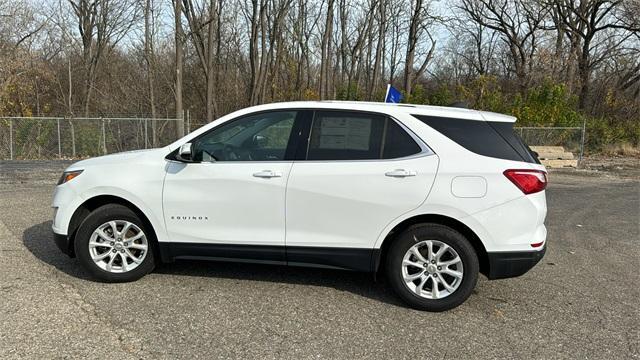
(68, 176)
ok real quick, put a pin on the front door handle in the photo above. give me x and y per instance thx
(400, 173)
(267, 174)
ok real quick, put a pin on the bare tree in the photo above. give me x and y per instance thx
(101, 25)
(377, 66)
(419, 24)
(179, 60)
(149, 58)
(325, 58)
(266, 24)
(594, 28)
(203, 28)
(396, 34)
(254, 16)
(476, 44)
(305, 25)
(518, 22)
(353, 40)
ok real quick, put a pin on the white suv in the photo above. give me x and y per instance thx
(430, 195)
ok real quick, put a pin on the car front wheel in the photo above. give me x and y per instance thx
(114, 245)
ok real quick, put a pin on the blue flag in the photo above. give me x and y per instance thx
(393, 95)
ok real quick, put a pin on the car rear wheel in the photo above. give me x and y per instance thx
(114, 245)
(432, 267)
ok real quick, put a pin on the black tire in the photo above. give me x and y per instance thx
(441, 233)
(98, 217)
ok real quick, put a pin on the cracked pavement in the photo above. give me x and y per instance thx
(581, 301)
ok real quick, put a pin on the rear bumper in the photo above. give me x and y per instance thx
(64, 243)
(511, 264)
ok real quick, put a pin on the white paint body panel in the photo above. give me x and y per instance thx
(332, 204)
(239, 208)
(135, 176)
(342, 204)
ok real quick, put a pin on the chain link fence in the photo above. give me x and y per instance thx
(60, 137)
(570, 138)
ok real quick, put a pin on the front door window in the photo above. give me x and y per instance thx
(260, 137)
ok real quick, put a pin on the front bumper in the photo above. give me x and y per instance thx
(511, 264)
(64, 244)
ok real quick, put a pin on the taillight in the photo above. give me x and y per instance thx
(529, 181)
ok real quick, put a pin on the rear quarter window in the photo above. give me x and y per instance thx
(493, 139)
(505, 129)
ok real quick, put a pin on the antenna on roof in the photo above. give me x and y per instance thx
(460, 104)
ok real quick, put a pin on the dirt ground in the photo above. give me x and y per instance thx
(617, 166)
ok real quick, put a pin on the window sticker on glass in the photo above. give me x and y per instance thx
(345, 133)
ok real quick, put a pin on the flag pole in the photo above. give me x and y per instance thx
(387, 93)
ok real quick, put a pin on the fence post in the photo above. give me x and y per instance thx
(11, 139)
(146, 134)
(104, 138)
(59, 143)
(584, 129)
(73, 137)
(154, 142)
(188, 122)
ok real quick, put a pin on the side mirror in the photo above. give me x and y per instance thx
(185, 152)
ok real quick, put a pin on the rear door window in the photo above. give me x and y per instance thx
(345, 135)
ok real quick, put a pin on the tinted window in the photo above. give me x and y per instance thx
(338, 135)
(495, 139)
(397, 143)
(260, 137)
(505, 130)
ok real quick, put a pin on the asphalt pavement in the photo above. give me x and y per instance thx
(581, 301)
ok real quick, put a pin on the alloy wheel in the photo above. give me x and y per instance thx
(118, 246)
(432, 269)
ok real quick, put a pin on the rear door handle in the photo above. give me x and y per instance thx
(267, 174)
(400, 173)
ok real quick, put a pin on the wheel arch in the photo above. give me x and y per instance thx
(91, 204)
(478, 246)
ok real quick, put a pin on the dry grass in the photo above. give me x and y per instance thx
(623, 149)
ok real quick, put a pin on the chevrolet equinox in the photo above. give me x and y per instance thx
(430, 196)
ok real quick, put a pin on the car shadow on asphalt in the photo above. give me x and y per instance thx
(38, 240)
